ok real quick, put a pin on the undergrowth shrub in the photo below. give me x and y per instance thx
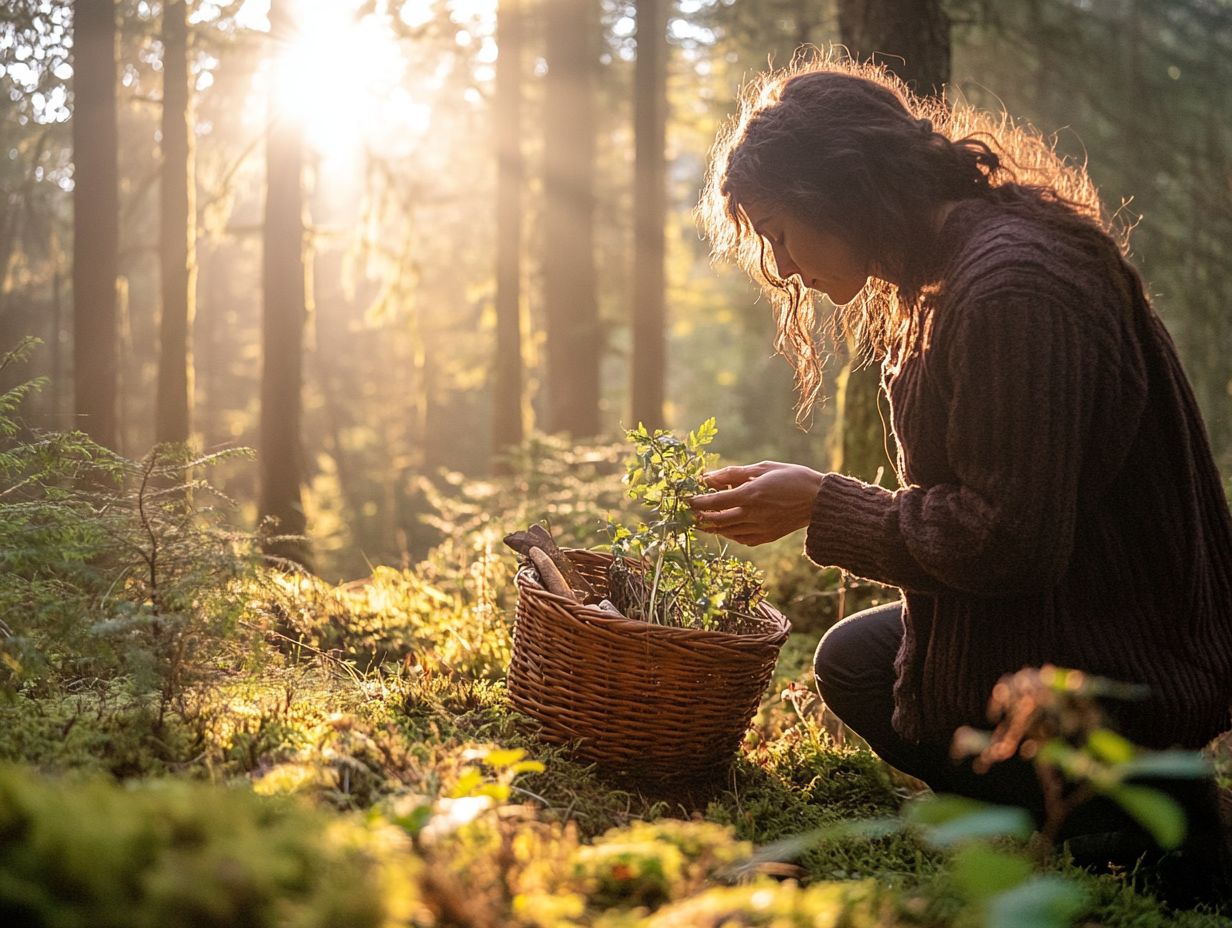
(650, 863)
(451, 611)
(118, 578)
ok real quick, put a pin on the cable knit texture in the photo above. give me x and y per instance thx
(1059, 500)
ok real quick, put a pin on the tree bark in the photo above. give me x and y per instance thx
(507, 420)
(283, 321)
(911, 38)
(177, 247)
(56, 343)
(649, 367)
(571, 307)
(95, 219)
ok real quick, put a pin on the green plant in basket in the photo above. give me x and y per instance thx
(684, 580)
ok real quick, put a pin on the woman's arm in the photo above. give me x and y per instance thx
(1021, 377)
(1023, 382)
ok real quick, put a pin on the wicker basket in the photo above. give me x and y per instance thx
(652, 702)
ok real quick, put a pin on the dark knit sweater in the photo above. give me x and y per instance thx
(1059, 500)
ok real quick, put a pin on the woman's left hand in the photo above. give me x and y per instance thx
(762, 502)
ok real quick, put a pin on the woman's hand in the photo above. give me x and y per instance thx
(762, 501)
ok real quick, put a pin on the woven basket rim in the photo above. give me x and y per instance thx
(775, 626)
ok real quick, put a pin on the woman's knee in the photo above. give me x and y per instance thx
(856, 657)
(825, 663)
(833, 660)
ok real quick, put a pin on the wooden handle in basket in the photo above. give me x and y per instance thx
(537, 536)
(550, 574)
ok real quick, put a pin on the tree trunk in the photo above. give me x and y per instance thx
(95, 219)
(208, 357)
(911, 38)
(649, 368)
(282, 329)
(507, 420)
(126, 372)
(56, 344)
(177, 248)
(569, 287)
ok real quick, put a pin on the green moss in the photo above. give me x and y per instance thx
(84, 852)
(108, 730)
(375, 702)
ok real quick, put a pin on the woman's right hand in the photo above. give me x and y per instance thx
(759, 502)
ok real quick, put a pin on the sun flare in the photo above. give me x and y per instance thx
(343, 78)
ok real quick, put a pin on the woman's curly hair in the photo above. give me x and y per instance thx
(846, 147)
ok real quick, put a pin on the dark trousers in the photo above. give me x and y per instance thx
(854, 665)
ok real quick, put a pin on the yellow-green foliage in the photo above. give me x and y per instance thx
(86, 853)
(650, 863)
(774, 905)
(503, 863)
(450, 612)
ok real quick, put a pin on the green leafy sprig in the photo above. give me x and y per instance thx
(686, 581)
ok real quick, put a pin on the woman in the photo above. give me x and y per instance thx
(1058, 500)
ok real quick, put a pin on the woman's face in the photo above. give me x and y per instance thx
(823, 261)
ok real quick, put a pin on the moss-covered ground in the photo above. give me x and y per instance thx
(208, 741)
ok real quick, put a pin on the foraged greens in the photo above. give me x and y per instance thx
(682, 580)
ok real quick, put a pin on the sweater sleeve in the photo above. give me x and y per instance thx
(1020, 374)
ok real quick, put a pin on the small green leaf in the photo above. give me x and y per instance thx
(1181, 765)
(415, 820)
(1155, 811)
(1048, 901)
(467, 783)
(1075, 763)
(528, 766)
(503, 757)
(981, 871)
(793, 846)
(948, 820)
(944, 807)
(1109, 746)
(706, 432)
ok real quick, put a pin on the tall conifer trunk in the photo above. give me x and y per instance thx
(912, 39)
(95, 220)
(649, 368)
(571, 306)
(285, 312)
(507, 423)
(56, 342)
(177, 248)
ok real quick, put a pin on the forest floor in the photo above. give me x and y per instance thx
(191, 738)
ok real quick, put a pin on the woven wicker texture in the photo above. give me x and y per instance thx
(657, 702)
